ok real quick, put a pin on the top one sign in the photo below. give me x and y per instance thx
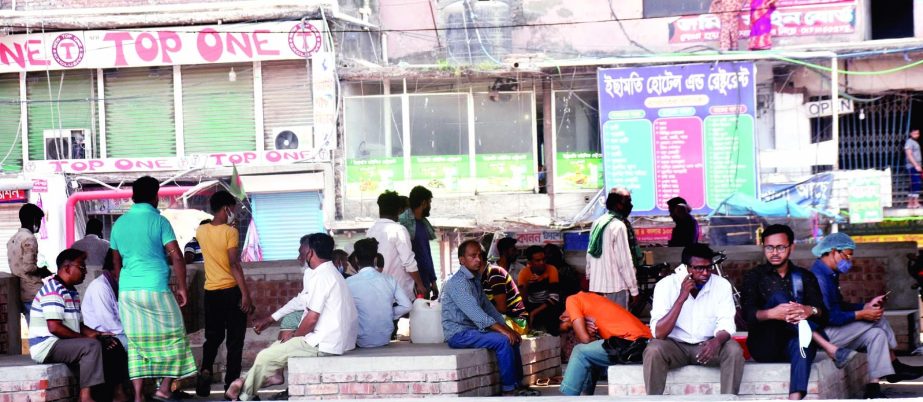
(231, 43)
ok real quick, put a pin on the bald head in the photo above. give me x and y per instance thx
(619, 200)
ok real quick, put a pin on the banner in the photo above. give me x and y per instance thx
(829, 19)
(230, 43)
(684, 130)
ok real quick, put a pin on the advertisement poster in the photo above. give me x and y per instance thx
(684, 130)
(865, 200)
(507, 172)
(787, 21)
(373, 175)
(578, 171)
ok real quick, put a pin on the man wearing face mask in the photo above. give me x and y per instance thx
(857, 325)
(692, 320)
(22, 256)
(227, 299)
(613, 251)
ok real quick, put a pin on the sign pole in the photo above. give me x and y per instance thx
(835, 126)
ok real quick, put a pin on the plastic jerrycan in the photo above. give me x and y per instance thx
(426, 322)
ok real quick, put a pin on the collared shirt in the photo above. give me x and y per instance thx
(54, 301)
(763, 288)
(701, 317)
(296, 303)
(379, 302)
(22, 255)
(614, 270)
(140, 237)
(496, 281)
(328, 295)
(95, 248)
(394, 246)
(841, 313)
(101, 308)
(465, 306)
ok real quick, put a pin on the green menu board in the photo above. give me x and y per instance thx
(729, 157)
(449, 173)
(578, 171)
(504, 172)
(372, 176)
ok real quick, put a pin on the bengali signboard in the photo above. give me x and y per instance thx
(227, 43)
(683, 130)
(865, 200)
(787, 21)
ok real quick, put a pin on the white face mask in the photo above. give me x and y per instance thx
(35, 228)
(804, 336)
(305, 266)
(231, 216)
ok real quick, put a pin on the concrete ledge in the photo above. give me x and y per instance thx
(405, 370)
(21, 379)
(760, 380)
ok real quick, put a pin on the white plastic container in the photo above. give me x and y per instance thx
(426, 322)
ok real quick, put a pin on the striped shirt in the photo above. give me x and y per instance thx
(497, 281)
(614, 270)
(53, 301)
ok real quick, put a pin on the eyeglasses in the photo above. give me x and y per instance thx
(848, 257)
(699, 267)
(776, 249)
(82, 267)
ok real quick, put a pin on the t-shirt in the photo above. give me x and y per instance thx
(194, 248)
(544, 289)
(53, 301)
(497, 281)
(140, 236)
(95, 248)
(914, 148)
(611, 319)
(423, 254)
(215, 241)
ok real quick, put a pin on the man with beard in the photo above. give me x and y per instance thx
(421, 233)
(613, 251)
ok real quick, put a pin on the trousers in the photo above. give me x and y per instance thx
(95, 364)
(509, 361)
(620, 298)
(661, 356)
(223, 318)
(586, 364)
(876, 338)
(273, 358)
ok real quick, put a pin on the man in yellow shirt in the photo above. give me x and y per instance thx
(227, 300)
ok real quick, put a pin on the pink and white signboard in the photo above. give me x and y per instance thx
(231, 43)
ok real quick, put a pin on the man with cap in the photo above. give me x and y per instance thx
(857, 325)
(692, 320)
(686, 231)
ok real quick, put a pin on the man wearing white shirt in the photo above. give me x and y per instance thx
(101, 303)
(692, 320)
(394, 244)
(378, 299)
(329, 326)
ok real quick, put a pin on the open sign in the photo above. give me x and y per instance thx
(825, 108)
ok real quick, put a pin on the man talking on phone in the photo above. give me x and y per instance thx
(857, 325)
(692, 320)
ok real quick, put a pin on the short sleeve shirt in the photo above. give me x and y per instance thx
(611, 319)
(53, 301)
(544, 289)
(914, 148)
(497, 281)
(140, 236)
(215, 241)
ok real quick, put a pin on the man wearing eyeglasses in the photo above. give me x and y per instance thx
(692, 320)
(857, 325)
(776, 297)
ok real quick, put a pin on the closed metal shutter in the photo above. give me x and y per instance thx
(9, 224)
(217, 112)
(69, 104)
(283, 218)
(287, 98)
(139, 112)
(10, 139)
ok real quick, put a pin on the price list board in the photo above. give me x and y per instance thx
(679, 131)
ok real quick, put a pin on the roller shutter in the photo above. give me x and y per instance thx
(139, 112)
(59, 99)
(287, 98)
(218, 112)
(9, 224)
(10, 138)
(283, 218)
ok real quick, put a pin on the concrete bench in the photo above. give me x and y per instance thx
(760, 380)
(21, 379)
(405, 370)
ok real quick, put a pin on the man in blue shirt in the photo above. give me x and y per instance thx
(857, 325)
(469, 320)
(421, 232)
(378, 299)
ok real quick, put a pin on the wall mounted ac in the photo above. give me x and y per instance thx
(292, 138)
(67, 143)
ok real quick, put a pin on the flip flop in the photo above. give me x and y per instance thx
(542, 382)
(163, 398)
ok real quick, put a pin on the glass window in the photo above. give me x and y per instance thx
(374, 144)
(504, 138)
(578, 160)
(660, 8)
(439, 142)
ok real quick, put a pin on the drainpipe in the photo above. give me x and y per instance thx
(104, 195)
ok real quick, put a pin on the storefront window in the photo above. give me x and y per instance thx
(504, 138)
(439, 142)
(578, 159)
(374, 144)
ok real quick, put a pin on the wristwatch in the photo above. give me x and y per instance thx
(814, 311)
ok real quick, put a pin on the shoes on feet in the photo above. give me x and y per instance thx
(203, 383)
(873, 391)
(842, 357)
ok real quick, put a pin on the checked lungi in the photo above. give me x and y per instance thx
(157, 343)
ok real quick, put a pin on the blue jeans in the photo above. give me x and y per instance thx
(508, 359)
(786, 349)
(916, 182)
(586, 363)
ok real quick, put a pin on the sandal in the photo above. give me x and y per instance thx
(526, 391)
(161, 398)
(556, 380)
(543, 382)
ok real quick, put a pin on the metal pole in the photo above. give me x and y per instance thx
(835, 101)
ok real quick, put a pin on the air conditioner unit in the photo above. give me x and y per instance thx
(292, 137)
(67, 143)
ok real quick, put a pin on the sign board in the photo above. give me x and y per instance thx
(685, 130)
(11, 196)
(226, 43)
(865, 200)
(793, 21)
(537, 238)
(825, 107)
(39, 186)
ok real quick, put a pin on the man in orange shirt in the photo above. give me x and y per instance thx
(538, 285)
(589, 314)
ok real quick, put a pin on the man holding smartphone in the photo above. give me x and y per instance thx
(857, 325)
